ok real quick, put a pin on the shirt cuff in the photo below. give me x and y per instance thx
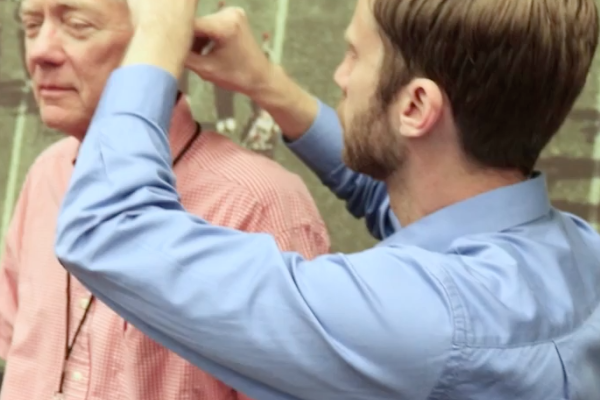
(141, 90)
(320, 148)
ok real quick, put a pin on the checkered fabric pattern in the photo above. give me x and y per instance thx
(218, 180)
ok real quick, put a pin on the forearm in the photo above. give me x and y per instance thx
(292, 107)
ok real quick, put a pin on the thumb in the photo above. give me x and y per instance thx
(199, 59)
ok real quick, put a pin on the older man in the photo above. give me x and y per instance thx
(56, 337)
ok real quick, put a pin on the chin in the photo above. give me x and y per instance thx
(64, 122)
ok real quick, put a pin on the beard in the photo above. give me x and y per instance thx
(371, 146)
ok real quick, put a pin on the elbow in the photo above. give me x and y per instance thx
(66, 253)
(71, 246)
(66, 246)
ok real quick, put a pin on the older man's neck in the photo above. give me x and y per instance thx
(416, 192)
(183, 125)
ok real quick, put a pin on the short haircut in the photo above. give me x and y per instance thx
(512, 69)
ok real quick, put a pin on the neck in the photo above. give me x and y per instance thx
(414, 194)
(183, 126)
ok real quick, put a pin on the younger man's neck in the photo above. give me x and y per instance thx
(413, 196)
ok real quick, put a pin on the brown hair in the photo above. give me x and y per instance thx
(512, 69)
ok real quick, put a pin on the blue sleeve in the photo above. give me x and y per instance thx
(320, 148)
(269, 324)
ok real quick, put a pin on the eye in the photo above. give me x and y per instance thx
(30, 27)
(32, 24)
(76, 24)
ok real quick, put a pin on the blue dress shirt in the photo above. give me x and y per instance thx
(493, 298)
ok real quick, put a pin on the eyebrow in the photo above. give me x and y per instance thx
(26, 9)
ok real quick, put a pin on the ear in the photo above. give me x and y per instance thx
(419, 107)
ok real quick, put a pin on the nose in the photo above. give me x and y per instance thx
(45, 48)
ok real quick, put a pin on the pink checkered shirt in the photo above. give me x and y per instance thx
(111, 360)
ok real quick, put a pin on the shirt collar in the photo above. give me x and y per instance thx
(493, 211)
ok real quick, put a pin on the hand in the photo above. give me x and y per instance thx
(163, 33)
(235, 60)
(164, 15)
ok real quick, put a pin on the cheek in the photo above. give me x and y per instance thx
(361, 79)
(94, 65)
(355, 98)
(361, 89)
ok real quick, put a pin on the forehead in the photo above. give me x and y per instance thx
(363, 24)
(85, 5)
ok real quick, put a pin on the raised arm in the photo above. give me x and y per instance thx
(267, 323)
(311, 128)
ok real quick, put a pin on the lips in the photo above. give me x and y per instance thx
(53, 88)
(52, 91)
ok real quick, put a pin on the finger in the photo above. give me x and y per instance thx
(221, 24)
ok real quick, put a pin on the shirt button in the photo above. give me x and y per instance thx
(77, 376)
(84, 303)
